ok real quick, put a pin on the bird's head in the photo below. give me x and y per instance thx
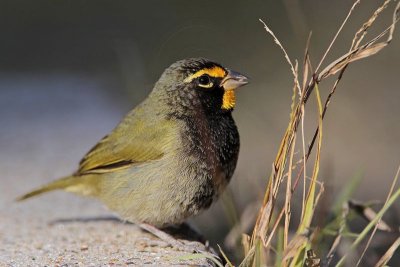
(198, 82)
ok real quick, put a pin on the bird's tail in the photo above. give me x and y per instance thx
(62, 183)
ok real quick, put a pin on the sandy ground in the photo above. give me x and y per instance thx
(30, 235)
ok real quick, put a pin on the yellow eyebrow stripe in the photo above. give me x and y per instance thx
(216, 72)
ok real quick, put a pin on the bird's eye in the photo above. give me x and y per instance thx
(205, 81)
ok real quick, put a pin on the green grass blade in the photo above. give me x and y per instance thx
(364, 233)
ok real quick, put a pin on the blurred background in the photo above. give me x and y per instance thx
(69, 71)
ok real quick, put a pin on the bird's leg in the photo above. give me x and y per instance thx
(166, 237)
(162, 235)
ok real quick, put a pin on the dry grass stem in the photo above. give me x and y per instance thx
(276, 40)
(389, 254)
(380, 223)
(357, 40)
(337, 34)
(259, 247)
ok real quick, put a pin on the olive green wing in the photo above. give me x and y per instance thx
(137, 139)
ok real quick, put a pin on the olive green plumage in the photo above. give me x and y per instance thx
(172, 155)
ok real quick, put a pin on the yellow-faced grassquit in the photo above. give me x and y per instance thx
(172, 155)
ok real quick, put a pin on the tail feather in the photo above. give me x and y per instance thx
(62, 183)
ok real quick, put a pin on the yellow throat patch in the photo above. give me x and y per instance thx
(228, 99)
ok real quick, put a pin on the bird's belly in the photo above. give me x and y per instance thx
(158, 193)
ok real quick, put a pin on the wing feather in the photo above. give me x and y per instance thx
(138, 138)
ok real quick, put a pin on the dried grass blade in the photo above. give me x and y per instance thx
(352, 56)
(389, 253)
(337, 34)
(292, 249)
(274, 182)
(265, 218)
(246, 243)
(395, 19)
(228, 262)
(381, 224)
(288, 197)
(305, 63)
(365, 231)
(309, 206)
(368, 49)
(276, 224)
(248, 260)
(276, 40)
(265, 213)
(357, 38)
(369, 214)
(321, 76)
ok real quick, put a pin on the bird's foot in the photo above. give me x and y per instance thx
(183, 245)
(162, 235)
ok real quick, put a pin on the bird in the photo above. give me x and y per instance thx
(172, 155)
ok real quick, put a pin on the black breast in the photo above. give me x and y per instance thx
(210, 138)
(213, 143)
